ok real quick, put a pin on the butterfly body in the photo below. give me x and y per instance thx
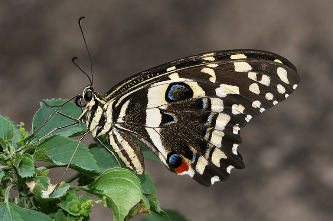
(189, 111)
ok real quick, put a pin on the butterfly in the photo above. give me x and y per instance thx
(189, 112)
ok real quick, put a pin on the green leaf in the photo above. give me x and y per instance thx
(2, 142)
(61, 190)
(7, 130)
(71, 204)
(57, 120)
(147, 184)
(121, 189)
(60, 149)
(41, 155)
(60, 215)
(9, 212)
(173, 215)
(25, 165)
(105, 160)
(155, 206)
(77, 207)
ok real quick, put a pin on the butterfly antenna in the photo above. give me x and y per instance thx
(85, 43)
(73, 60)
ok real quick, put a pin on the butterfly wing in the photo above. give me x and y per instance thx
(189, 112)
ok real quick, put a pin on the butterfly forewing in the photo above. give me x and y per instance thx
(189, 111)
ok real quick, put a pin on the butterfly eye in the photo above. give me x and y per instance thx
(178, 92)
(88, 95)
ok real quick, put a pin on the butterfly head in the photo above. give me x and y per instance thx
(91, 104)
(88, 98)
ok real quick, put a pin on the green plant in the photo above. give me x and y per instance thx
(98, 174)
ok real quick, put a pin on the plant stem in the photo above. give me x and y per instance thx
(7, 193)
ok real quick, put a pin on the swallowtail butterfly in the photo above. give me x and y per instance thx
(189, 112)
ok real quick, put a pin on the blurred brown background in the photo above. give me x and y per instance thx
(288, 150)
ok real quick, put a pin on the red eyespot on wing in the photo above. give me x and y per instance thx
(182, 168)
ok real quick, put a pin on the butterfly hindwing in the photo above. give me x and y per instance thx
(189, 112)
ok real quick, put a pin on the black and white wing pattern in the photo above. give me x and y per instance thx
(189, 112)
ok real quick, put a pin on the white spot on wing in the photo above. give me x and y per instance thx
(229, 168)
(201, 165)
(190, 172)
(248, 118)
(217, 156)
(242, 66)
(278, 61)
(221, 121)
(237, 109)
(212, 65)
(238, 56)
(254, 88)
(208, 57)
(225, 89)
(265, 80)
(235, 129)
(174, 76)
(256, 104)
(282, 73)
(280, 89)
(211, 72)
(216, 138)
(294, 86)
(214, 179)
(269, 96)
(171, 68)
(216, 104)
(252, 75)
(234, 148)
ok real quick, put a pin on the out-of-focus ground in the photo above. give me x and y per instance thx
(288, 150)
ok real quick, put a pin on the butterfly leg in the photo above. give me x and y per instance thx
(77, 121)
(70, 161)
